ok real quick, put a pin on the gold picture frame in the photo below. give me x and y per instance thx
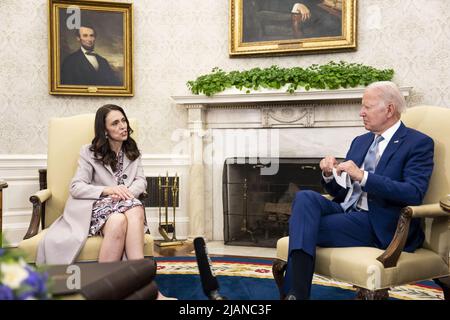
(90, 48)
(277, 27)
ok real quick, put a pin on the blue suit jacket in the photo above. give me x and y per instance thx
(400, 179)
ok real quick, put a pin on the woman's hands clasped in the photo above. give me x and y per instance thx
(117, 193)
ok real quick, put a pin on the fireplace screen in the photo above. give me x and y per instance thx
(257, 207)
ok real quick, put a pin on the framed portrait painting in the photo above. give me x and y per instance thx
(90, 48)
(273, 27)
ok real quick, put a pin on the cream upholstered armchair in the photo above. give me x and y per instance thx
(373, 271)
(65, 138)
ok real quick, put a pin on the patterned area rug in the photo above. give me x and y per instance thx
(251, 279)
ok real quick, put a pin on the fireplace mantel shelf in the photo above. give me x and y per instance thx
(233, 96)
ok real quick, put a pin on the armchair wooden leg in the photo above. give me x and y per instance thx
(364, 294)
(278, 269)
(444, 283)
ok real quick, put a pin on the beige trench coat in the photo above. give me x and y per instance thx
(67, 235)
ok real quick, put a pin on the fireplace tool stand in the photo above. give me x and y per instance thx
(167, 227)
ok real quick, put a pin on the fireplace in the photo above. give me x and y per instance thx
(256, 206)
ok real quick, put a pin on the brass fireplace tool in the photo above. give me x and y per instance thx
(167, 227)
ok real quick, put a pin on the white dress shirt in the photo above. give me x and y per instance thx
(387, 135)
(91, 58)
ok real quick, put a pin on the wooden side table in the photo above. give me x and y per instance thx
(3, 185)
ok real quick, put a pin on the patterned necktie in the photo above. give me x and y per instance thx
(370, 163)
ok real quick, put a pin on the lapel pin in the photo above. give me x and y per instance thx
(396, 141)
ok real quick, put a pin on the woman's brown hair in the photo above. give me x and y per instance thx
(100, 145)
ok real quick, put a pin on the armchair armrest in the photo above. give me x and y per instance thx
(41, 195)
(38, 201)
(428, 211)
(390, 256)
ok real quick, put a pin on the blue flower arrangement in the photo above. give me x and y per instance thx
(20, 281)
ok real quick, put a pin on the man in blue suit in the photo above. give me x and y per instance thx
(389, 167)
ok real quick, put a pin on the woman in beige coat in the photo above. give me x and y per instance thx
(103, 197)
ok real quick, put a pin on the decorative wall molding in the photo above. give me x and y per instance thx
(288, 116)
(22, 161)
(21, 173)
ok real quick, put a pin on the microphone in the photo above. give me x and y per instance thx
(209, 281)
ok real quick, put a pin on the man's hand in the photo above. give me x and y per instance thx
(327, 164)
(303, 10)
(352, 170)
(119, 192)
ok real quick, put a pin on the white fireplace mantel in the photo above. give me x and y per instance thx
(233, 109)
(235, 96)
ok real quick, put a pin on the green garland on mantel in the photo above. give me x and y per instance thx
(328, 76)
